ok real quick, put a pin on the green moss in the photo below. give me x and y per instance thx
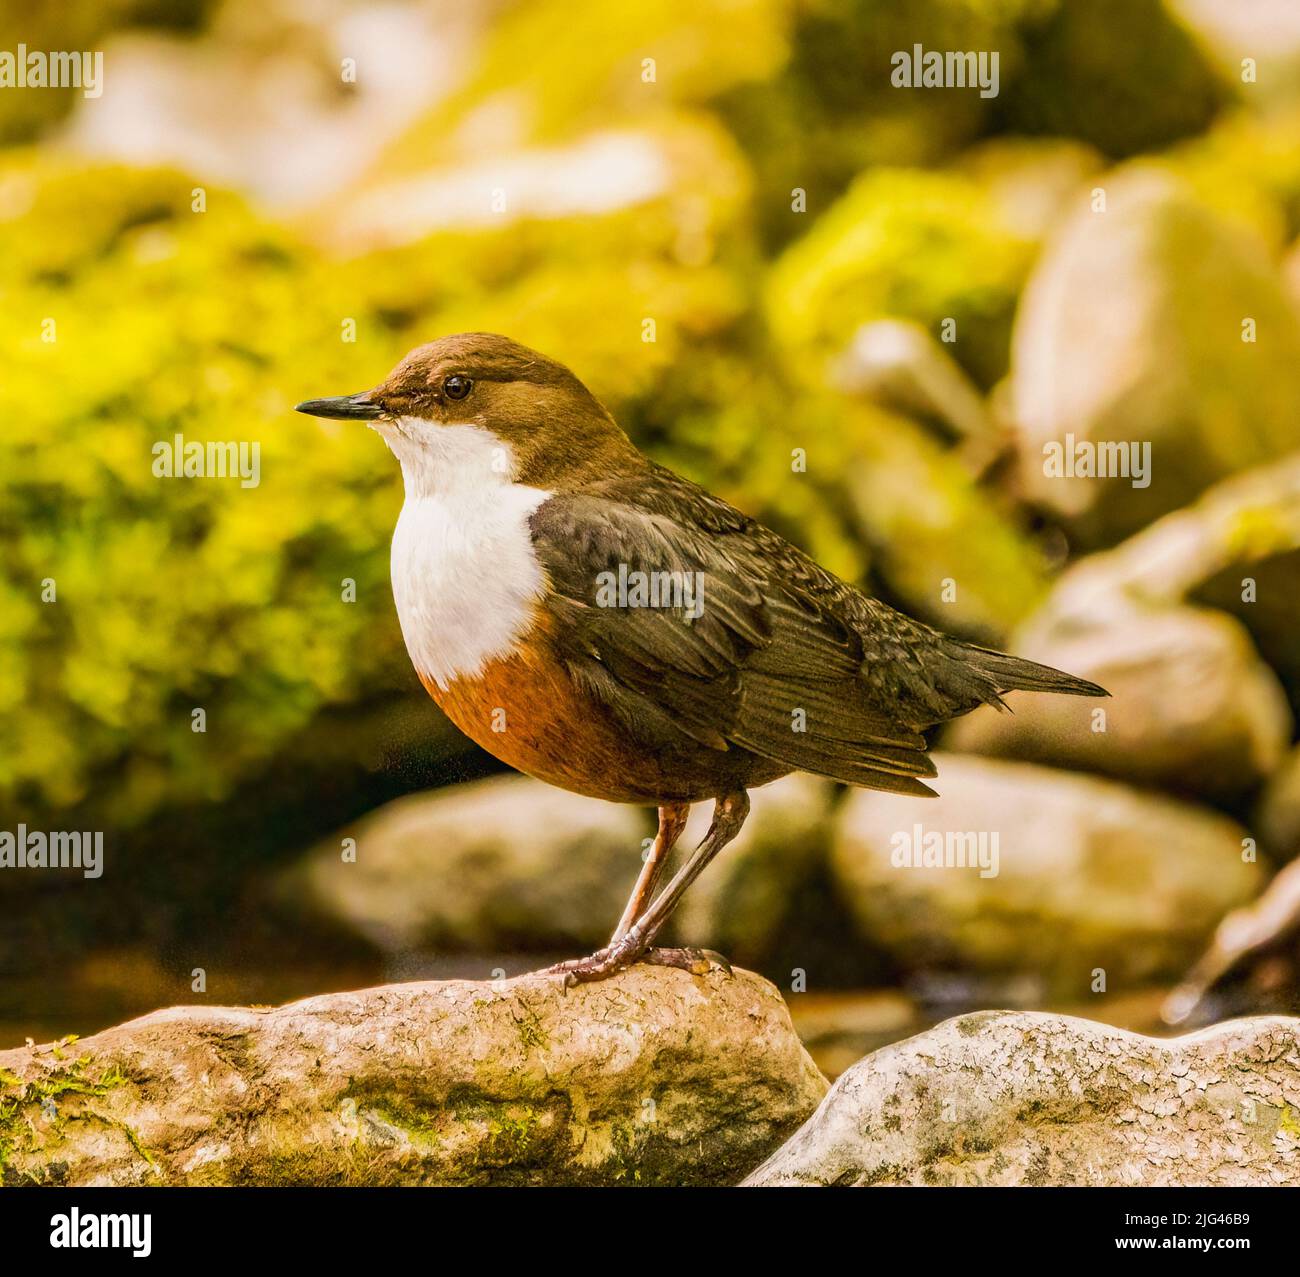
(23, 1102)
(175, 594)
(696, 56)
(1247, 169)
(904, 244)
(532, 1034)
(1290, 1121)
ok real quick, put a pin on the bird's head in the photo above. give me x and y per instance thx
(479, 408)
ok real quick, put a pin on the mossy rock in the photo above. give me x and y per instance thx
(651, 1077)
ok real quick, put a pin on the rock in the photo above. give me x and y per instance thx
(509, 863)
(1231, 32)
(1123, 75)
(1291, 272)
(502, 862)
(1237, 549)
(281, 130)
(1266, 923)
(1247, 167)
(1128, 79)
(654, 1076)
(953, 557)
(1193, 710)
(676, 162)
(741, 904)
(1034, 181)
(1087, 874)
(1240, 525)
(1005, 1098)
(819, 120)
(1130, 330)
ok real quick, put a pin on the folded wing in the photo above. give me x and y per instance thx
(781, 659)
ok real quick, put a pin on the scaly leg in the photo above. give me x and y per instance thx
(728, 816)
(672, 820)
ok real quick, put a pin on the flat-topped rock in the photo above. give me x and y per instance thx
(654, 1076)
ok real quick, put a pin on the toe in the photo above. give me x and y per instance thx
(695, 961)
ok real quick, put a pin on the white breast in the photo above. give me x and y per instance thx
(465, 575)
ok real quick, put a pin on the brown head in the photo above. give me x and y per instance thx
(479, 398)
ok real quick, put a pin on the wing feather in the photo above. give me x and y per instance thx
(766, 665)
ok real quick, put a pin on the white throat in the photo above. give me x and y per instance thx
(465, 575)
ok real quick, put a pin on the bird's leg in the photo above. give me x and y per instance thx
(728, 816)
(672, 820)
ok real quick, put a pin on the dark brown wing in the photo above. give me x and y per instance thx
(784, 659)
(766, 665)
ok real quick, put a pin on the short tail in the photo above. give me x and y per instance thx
(1012, 673)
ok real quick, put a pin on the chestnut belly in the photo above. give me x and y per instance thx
(525, 710)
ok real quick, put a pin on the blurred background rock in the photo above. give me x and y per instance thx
(808, 241)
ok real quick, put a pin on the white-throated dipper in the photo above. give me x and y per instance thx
(595, 620)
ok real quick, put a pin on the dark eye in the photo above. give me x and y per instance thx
(455, 387)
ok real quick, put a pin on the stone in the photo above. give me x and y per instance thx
(1007, 1098)
(1130, 332)
(1277, 815)
(1034, 181)
(1124, 75)
(949, 555)
(1200, 697)
(1088, 876)
(1193, 709)
(652, 1077)
(901, 367)
(928, 246)
(498, 863)
(1263, 930)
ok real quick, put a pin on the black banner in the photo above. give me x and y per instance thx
(365, 1225)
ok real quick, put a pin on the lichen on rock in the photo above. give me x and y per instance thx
(1000, 1098)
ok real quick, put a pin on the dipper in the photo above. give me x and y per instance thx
(595, 620)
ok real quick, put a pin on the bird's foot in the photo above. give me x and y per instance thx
(601, 964)
(616, 957)
(696, 961)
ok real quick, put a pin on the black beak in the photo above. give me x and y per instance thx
(343, 408)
